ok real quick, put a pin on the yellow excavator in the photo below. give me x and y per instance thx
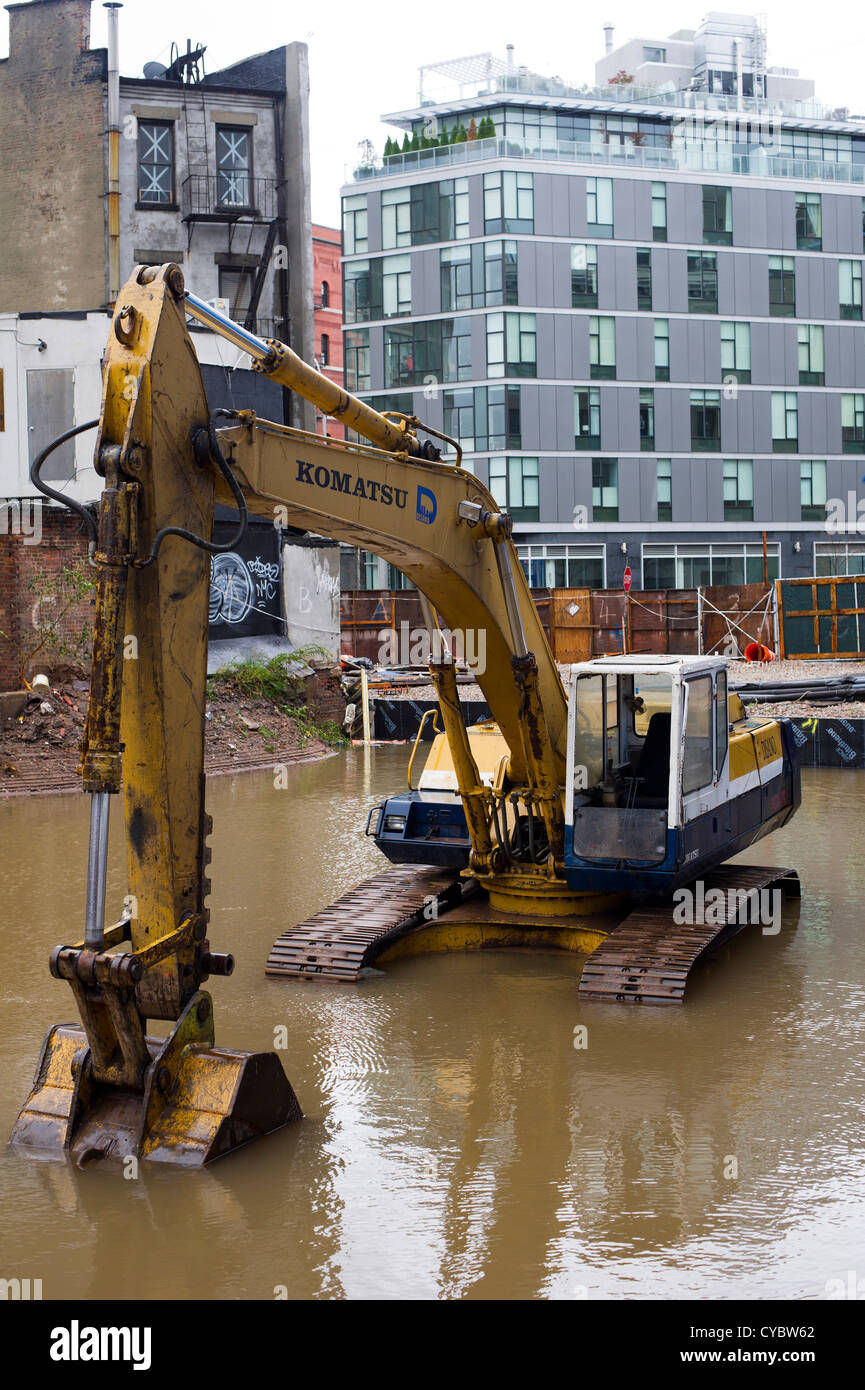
(103, 1087)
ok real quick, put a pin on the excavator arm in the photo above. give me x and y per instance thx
(106, 1087)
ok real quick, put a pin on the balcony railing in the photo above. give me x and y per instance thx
(758, 164)
(229, 198)
(530, 84)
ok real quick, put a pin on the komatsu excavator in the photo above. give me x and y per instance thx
(103, 1087)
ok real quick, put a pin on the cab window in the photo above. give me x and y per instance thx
(697, 763)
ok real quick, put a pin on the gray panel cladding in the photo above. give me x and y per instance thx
(549, 350)
(527, 271)
(579, 346)
(548, 488)
(629, 489)
(626, 277)
(754, 300)
(680, 364)
(726, 283)
(425, 282)
(693, 213)
(837, 373)
(678, 281)
(582, 466)
(628, 418)
(625, 210)
(617, 277)
(817, 282)
(781, 218)
(610, 418)
(644, 328)
(664, 419)
(842, 223)
(563, 347)
(543, 189)
(681, 421)
(768, 474)
(739, 428)
(626, 348)
(530, 416)
(845, 355)
(548, 294)
(648, 481)
(476, 205)
(577, 205)
(641, 190)
(566, 487)
(774, 353)
(706, 488)
(560, 206)
(849, 215)
(761, 414)
(561, 263)
(546, 435)
(677, 222)
(558, 401)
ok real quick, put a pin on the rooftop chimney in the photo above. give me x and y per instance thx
(608, 38)
(509, 48)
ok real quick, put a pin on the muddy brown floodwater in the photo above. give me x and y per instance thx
(455, 1142)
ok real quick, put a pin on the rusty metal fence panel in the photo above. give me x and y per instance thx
(822, 617)
(365, 613)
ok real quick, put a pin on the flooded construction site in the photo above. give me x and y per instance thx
(472, 1128)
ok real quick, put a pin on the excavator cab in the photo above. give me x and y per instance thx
(662, 785)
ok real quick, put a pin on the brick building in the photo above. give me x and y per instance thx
(327, 316)
(213, 173)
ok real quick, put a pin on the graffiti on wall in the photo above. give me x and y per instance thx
(245, 598)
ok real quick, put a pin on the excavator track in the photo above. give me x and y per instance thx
(343, 939)
(649, 957)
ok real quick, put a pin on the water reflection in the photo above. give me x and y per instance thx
(456, 1143)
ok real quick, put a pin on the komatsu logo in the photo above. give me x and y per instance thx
(367, 488)
(426, 505)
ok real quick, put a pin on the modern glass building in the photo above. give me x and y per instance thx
(637, 307)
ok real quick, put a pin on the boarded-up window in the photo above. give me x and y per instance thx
(51, 411)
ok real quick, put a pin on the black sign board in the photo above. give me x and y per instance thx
(246, 583)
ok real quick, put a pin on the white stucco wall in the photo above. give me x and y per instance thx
(310, 578)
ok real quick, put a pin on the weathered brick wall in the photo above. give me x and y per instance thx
(52, 183)
(28, 576)
(324, 695)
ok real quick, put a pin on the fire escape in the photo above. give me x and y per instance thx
(221, 188)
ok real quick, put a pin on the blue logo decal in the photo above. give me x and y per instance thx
(426, 505)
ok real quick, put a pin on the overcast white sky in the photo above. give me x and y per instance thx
(364, 58)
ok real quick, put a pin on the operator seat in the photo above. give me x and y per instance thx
(653, 769)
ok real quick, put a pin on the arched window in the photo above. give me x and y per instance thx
(325, 349)
(325, 294)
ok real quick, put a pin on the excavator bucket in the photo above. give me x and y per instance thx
(198, 1103)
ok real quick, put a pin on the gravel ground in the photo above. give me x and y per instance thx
(742, 671)
(802, 709)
